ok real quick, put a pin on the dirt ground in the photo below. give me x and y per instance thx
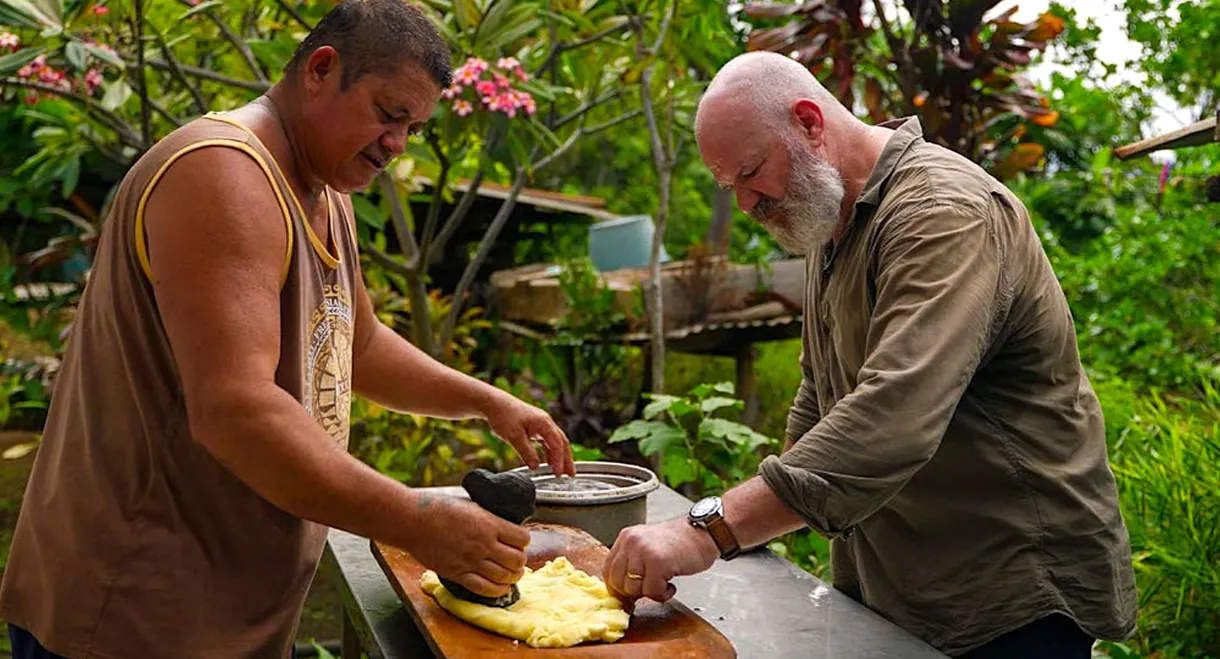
(320, 621)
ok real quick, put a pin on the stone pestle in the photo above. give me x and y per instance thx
(510, 496)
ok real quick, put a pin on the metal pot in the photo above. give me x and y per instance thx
(603, 498)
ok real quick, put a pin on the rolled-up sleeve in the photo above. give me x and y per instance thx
(939, 284)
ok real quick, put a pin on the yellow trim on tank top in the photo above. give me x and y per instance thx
(141, 240)
(331, 260)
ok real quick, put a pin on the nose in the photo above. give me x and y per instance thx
(394, 140)
(747, 199)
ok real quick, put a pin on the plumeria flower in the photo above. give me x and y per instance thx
(485, 87)
(522, 74)
(465, 75)
(462, 107)
(101, 10)
(9, 41)
(530, 106)
(451, 91)
(508, 63)
(501, 81)
(478, 65)
(93, 80)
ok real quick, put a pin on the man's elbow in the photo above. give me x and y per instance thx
(219, 415)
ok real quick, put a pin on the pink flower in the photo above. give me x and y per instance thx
(485, 87)
(466, 76)
(522, 74)
(9, 41)
(478, 65)
(501, 81)
(451, 91)
(530, 106)
(93, 80)
(25, 72)
(492, 103)
(462, 107)
(31, 98)
(101, 10)
(508, 63)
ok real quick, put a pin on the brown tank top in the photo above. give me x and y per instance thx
(133, 541)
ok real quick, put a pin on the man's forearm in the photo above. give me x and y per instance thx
(269, 442)
(756, 516)
(397, 375)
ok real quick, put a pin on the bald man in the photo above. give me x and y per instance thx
(945, 435)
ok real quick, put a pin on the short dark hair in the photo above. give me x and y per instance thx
(378, 36)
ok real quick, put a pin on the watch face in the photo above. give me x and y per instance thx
(704, 507)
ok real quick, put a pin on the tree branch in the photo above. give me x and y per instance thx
(438, 190)
(472, 268)
(559, 48)
(137, 29)
(126, 133)
(164, 112)
(459, 212)
(584, 109)
(243, 49)
(597, 128)
(399, 219)
(201, 104)
(386, 261)
(207, 74)
(293, 13)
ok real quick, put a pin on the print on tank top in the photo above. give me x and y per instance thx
(328, 379)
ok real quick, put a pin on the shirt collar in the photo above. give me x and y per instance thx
(907, 130)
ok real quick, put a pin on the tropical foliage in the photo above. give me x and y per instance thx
(596, 97)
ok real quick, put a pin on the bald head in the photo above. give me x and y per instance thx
(763, 87)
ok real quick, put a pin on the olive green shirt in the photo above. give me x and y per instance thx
(945, 435)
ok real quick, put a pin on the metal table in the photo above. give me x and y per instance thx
(767, 606)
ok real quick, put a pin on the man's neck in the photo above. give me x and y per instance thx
(856, 157)
(283, 113)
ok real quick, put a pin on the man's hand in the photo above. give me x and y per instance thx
(468, 545)
(646, 557)
(519, 423)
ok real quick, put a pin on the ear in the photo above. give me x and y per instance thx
(321, 67)
(809, 116)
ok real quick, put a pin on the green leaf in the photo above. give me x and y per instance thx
(75, 54)
(679, 468)
(467, 14)
(661, 439)
(737, 433)
(199, 8)
(105, 56)
(12, 62)
(70, 174)
(367, 213)
(714, 403)
(660, 403)
(117, 93)
(635, 430)
(47, 14)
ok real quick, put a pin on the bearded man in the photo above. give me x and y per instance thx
(195, 451)
(945, 435)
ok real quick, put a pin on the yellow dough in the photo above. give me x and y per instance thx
(560, 606)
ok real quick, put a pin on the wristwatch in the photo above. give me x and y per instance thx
(708, 513)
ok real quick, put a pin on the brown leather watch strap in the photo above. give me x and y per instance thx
(723, 537)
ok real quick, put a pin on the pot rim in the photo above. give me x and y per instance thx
(647, 482)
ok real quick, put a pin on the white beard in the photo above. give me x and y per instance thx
(807, 215)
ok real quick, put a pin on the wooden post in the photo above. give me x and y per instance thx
(747, 384)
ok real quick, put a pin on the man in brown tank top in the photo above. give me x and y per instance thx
(195, 451)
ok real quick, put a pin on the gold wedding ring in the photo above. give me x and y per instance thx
(632, 575)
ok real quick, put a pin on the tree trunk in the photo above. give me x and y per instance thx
(720, 229)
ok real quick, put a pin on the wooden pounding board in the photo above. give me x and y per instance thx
(667, 630)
